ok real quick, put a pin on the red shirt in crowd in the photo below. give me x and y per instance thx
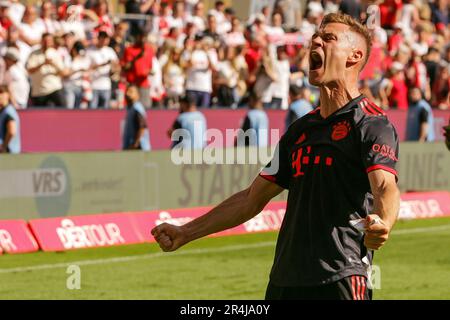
(141, 64)
(388, 12)
(399, 93)
(252, 57)
(373, 67)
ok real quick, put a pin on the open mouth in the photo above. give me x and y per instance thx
(315, 61)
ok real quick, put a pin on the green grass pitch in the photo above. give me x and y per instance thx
(414, 264)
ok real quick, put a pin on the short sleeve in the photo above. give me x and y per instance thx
(379, 145)
(278, 169)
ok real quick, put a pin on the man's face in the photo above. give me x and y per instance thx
(47, 42)
(331, 48)
(103, 41)
(415, 95)
(4, 99)
(132, 94)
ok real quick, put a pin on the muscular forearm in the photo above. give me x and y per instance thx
(230, 213)
(386, 202)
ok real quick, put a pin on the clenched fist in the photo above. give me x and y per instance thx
(169, 237)
(376, 232)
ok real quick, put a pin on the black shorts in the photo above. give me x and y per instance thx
(349, 288)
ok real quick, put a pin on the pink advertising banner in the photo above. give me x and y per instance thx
(16, 237)
(102, 230)
(50, 130)
(417, 205)
(67, 233)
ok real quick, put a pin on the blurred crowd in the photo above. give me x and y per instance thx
(80, 54)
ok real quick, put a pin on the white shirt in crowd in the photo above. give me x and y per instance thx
(174, 79)
(226, 71)
(78, 66)
(234, 39)
(199, 75)
(49, 25)
(46, 80)
(175, 22)
(198, 22)
(15, 12)
(33, 31)
(157, 87)
(17, 79)
(101, 76)
(24, 51)
(280, 87)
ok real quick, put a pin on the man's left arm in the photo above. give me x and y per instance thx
(142, 125)
(11, 131)
(386, 204)
(380, 155)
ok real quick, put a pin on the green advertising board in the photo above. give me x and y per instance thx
(59, 184)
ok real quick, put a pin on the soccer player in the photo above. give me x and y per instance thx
(338, 163)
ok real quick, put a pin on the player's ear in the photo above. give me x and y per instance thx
(355, 57)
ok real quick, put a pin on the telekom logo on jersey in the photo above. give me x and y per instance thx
(299, 159)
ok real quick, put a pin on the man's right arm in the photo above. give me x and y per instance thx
(232, 212)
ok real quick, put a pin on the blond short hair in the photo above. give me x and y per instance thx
(354, 25)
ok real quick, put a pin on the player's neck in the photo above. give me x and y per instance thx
(334, 97)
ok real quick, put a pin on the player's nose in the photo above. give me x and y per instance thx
(316, 41)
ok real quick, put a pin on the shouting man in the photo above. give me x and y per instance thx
(338, 163)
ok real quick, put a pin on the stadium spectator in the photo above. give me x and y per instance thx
(13, 40)
(396, 88)
(49, 23)
(211, 30)
(16, 78)
(279, 88)
(174, 78)
(104, 23)
(31, 29)
(75, 74)
(137, 7)
(137, 65)
(118, 39)
(136, 135)
(226, 78)
(292, 13)
(255, 128)
(9, 124)
(103, 60)
(189, 129)
(5, 21)
(197, 17)
(199, 65)
(218, 12)
(46, 68)
(299, 104)
(420, 121)
(235, 37)
(15, 11)
(351, 7)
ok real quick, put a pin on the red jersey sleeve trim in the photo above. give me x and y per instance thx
(268, 177)
(385, 168)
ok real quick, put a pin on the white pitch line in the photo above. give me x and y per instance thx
(138, 257)
(186, 252)
(421, 230)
